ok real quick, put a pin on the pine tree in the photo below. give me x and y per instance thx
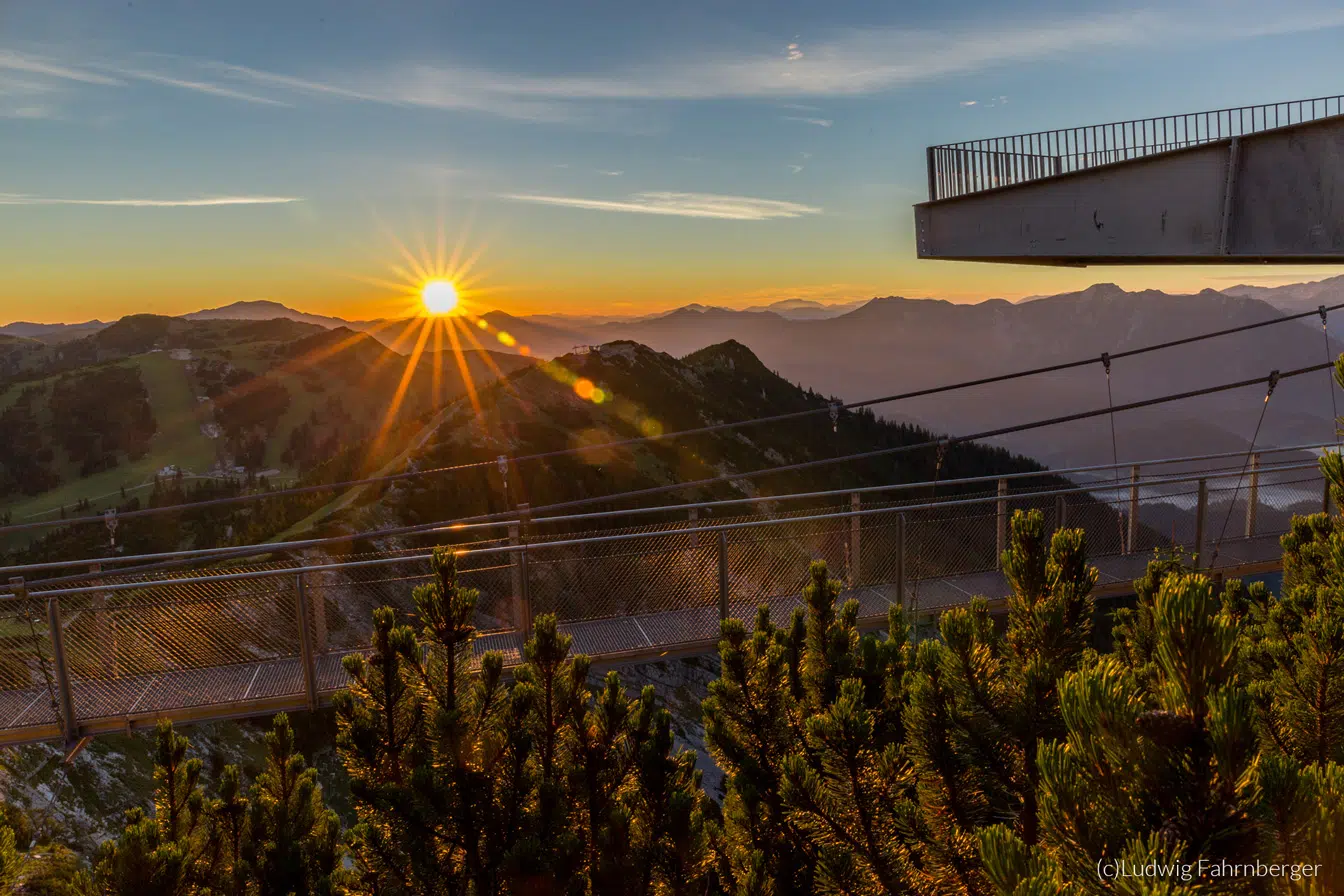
(281, 842)
(466, 786)
(752, 724)
(229, 811)
(981, 703)
(1134, 631)
(293, 840)
(1158, 769)
(175, 851)
(9, 859)
(1296, 653)
(806, 724)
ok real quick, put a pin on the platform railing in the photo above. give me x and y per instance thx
(958, 169)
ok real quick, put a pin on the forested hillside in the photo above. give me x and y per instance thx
(92, 422)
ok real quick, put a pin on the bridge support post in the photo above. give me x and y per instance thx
(1001, 538)
(1201, 511)
(516, 576)
(1061, 514)
(723, 575)
(900, 568)
(66, 703)
(305, 642)
(104, 627)
(1253, 495)
(1133, 538)
(694, 516)
(855, 563)
(521, 576)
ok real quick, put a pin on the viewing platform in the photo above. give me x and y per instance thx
(1249, 185)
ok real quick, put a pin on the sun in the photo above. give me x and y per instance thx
(439, 296)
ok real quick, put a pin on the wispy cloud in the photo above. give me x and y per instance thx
(32, 112)
(610, 173)
(203, 202)
(198, 87)
(686, 205)
(11, 60)
(968, 102)
(48, 71)
(844, 62)
(796, 169)
(819, 122)
(850, 62)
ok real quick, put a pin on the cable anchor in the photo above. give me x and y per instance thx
(835, 416)
(1106, 362)
(110, 521)
(1321, 311)
(1273, 381)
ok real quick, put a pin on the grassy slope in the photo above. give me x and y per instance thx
(178, 440)
(365, 377)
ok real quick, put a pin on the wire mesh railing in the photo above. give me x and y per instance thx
(956, 169)
(224, 641)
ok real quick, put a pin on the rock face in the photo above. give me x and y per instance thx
(680, 685)
(82, 804)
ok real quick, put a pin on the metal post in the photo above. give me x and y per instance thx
(1061, 513)
(723, 575)
(855, 564)
(65, 702)
(516, 572)
(1001, 542)
(900, 564)
(317, 608)
(1253, 496)
(104, 632)
(526, 598)
(1325, 497)
(694, 516)
(525, 589)
(1201, 510)
(1133, 508)
(932, 173)
(305, 642)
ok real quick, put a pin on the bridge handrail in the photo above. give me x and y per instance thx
(511, 549)
(512, 518)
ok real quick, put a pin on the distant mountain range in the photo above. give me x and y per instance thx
(1294, 298)
(266, 310)
(861, 349)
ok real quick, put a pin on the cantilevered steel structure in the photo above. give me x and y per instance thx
(1256, 184)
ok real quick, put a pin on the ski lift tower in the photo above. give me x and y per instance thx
(1251, 185)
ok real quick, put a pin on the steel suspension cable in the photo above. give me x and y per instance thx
(946, 442)
(1330, 380)
(664, 437)
(1250, 452)
(1115, 454)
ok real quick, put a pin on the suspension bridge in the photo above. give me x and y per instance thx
(117, 651)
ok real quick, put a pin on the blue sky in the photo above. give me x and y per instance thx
(171, 155)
